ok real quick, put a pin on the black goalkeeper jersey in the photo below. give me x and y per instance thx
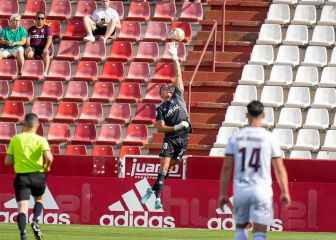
(173, 112)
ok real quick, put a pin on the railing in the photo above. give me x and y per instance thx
(223, 25)
(213, 32)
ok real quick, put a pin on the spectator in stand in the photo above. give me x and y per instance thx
(39, 42)
(12, 40)
(103, 21)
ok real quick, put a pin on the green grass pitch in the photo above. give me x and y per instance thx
(77, 232)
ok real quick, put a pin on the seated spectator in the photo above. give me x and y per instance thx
(12, 40)
(39, 41)
(103, 21)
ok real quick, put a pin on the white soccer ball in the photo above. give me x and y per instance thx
(178, 34)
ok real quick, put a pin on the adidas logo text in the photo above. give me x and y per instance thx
(130, 212)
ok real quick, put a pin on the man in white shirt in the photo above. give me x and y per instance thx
(103, 21)
(252, 152)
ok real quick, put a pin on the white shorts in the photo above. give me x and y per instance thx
(8, 52)
(253, 205)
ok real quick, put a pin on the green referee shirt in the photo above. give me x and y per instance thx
(27, 151)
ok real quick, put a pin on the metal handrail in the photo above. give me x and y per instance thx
(223, 25)
(213, 32)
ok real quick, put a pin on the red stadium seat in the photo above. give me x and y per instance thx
(68, 50)
(130, 30)
(91, 112)
(51, 91)
(192, 11)
(27, 23)
(145, 113)
(4, 22)
(139, 11)
(55, 149)
(136, 134)
(12, 111)
(121, 51)
(95, 51)
(164, 72)
(44, 110)
(7, 131)
(34, 6)
(8, 68)
(129, 150)
(75, 150)
(60, 9)
(129, 92)
(85, 8)
(138, 71)
(119, 7)
(55, 28)
(58, 132)
(186, 27)
(59, 70)
(165, 11)
(8, 8)
(119, 113)
(77, 91)
(86, 71)
(181, 52)
(112, 71)
(109, 134)
(4, 89)
(22, 90)
(33, 69)
(156, 31)
(85, 133)
(148, 52)
(3, 148)
(102, 150)
(75, 29)
(67, 112)
(102, 92)
(40, 130)
(153, 93)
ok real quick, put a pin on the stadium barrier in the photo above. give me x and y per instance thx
(189, 203)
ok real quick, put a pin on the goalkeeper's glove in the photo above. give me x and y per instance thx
(181, 125)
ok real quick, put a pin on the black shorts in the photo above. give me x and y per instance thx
(27, 184)
(100, 30)
(174, 147)
(38, 52)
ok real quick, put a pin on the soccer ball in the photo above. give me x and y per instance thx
(178, 34)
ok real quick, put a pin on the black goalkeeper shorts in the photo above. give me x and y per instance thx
(27, 184)
(174, 147)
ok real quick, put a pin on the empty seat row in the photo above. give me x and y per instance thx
(88, 71)
(62, 9)
(85, 133)
(314, 2)
(78, 91)
(317, 118)
(89, 112)
(297, 97)
(297, 35)
(282, 75)
(120, 51)
(303, 14)
(290, 55)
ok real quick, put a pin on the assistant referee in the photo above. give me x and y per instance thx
(31, 157)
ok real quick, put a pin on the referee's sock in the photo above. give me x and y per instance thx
(158, 186)
(38, 208)
(21, 221)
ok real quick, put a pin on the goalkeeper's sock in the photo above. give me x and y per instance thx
(241, 234)
(259, 236)
(158, 186)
